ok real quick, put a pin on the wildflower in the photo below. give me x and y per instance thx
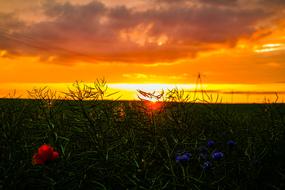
(210, 143)
(45, 154)
(217, 155)
(55, 155)
(37, 160)
(207, 165)
(189, 155)
(231, 143)
(184, 157)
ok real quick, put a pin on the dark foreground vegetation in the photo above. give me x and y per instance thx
(134, 145)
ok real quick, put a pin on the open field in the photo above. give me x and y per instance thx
(133, 145)
(195, 97)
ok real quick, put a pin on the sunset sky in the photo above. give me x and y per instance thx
(142, 41)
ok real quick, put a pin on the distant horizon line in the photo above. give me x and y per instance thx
(148, 83)
(222, 88)
(237, 92)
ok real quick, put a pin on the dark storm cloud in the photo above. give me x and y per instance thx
(95, 32)
(205, 25)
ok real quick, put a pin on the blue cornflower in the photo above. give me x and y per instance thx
(217, 155)
(210, 143)
(184, 157)
(207, 165)
(231, 143)
(188, 154)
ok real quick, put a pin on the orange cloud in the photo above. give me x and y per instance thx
(99, 32)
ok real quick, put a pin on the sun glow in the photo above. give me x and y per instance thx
(153, 106)
(225, 93)
(151, 87)
(269, 48)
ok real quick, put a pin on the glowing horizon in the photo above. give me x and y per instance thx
(237, 45)
(226, 93)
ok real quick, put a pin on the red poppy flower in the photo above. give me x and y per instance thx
(37, 160)
(54, 156)
(45, 154)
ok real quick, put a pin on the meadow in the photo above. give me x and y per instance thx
(174, 143)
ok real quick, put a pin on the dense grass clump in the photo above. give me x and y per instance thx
(133, 145)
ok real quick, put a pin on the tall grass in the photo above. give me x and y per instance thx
(105, 144)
